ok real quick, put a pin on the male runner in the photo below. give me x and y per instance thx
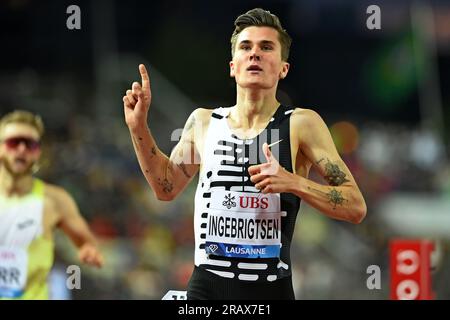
(30, 210)
(247, 200)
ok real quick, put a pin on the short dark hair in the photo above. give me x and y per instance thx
(261, 18)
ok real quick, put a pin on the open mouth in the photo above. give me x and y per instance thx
(20, 161)
(254, 68)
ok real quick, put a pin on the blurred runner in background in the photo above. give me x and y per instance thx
(30, 210)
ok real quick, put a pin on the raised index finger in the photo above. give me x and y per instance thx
(144, 77)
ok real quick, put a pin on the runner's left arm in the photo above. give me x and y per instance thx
(341, 199)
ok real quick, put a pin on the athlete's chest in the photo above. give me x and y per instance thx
(20, 220)
(242, 141)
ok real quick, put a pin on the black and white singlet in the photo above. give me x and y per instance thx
(242, 236)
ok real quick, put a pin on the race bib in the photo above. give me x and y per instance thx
(244, 225)
(175, 295)
(13, 271)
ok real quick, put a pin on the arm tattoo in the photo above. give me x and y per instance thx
(333, 174)
(334, 197)
(317, 162)
(182, 166)
(166, 185)
(135, 142)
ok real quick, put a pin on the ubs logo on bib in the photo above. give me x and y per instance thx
(250, 202)
(228, 202)
(253, 202)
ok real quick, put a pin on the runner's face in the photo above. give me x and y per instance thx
(257, 59)
(19, 148)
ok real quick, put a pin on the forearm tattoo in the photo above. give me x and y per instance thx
(182, 166)
(136, 144)
(319, 161)
(333, 174)
(334, 196)
(166, 185)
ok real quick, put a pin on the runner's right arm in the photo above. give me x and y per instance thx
(167, 176)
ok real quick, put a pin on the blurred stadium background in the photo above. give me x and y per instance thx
(382, 93)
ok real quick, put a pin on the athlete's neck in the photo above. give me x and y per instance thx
(253, 107)
(14, 186)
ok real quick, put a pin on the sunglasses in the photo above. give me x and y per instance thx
(14, 143)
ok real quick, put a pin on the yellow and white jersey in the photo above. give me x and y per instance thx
(26, 257)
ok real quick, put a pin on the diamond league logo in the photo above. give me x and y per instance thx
(213, 247)
(228, 202)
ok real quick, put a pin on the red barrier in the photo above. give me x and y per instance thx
(410, 269)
